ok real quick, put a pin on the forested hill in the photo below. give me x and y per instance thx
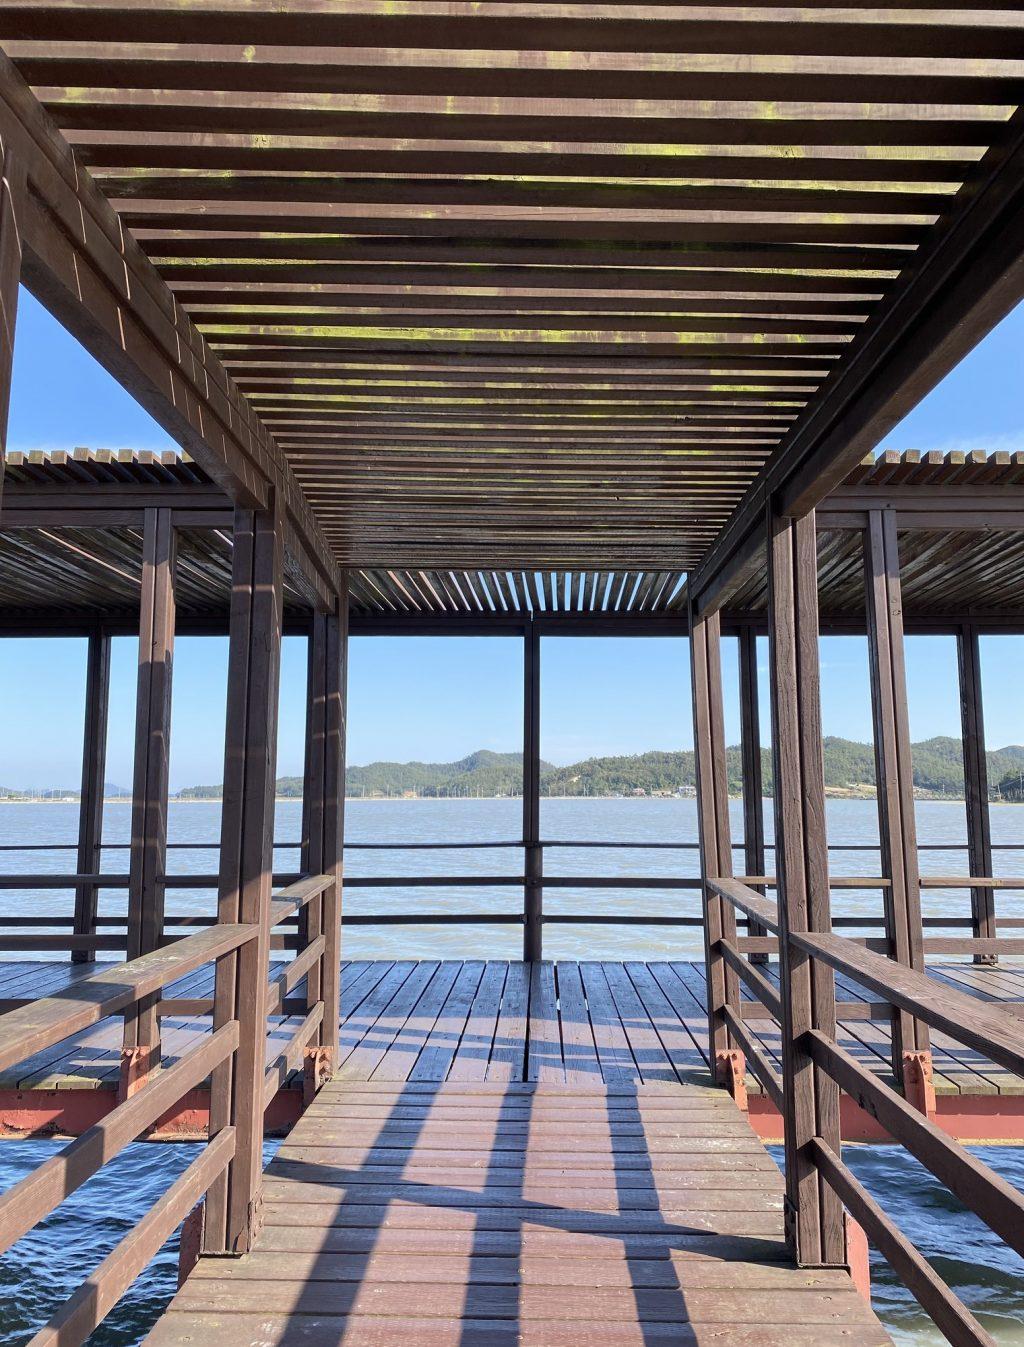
(849, 768)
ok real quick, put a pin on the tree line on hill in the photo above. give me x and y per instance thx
(849, 768)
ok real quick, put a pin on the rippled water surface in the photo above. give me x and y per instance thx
(50, 1261)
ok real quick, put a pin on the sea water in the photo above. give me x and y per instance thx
(49, 1262)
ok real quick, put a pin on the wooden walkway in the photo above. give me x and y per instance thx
(491, 1212)
(581, 1023)
(585, 1023)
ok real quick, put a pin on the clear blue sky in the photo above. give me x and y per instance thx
(438, 699)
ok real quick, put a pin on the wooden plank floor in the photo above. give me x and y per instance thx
(489, 1212)
(474, 1020)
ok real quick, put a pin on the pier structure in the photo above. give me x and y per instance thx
(488, 318)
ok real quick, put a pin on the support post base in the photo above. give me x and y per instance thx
(731, 1069)
(858, 1259)
(137, 1064)
(193, 1232)
(918, 1083)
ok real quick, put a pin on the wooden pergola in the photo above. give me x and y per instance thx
(526, 317)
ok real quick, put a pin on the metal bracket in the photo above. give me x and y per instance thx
(918, 1083)
(137, 1065)
(317, 1070)
(731, 1069)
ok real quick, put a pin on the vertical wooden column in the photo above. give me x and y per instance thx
(979, 832)
(753, 777)
(148, 857)
(713, 822)
(325, 807)
(814, 1219)
(894, 768)
(90, 811)
(247, 835)
(12, 191)
(533, 893)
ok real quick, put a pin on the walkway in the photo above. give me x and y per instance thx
(580, 1023)
(487, 1213)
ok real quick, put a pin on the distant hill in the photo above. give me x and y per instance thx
(849, 769)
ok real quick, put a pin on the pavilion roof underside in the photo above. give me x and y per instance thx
(520, 285)
(93, 570)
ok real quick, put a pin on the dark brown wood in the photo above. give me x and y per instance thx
(957, 1324)
(247, 834)
(533, 859)
(997, 1202)
(48, 1020)
(713, 820)
(894, 769)
(107, 1283)
(324, 803)
(148, 855)
(12, 206)
(27, 1203)
(979, 827)
(815, 1224)
(90, 815)
(750, 754)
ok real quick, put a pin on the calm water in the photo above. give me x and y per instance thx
(44, 1266)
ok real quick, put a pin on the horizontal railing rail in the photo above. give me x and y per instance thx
(984, 1027)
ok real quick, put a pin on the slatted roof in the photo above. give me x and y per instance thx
(94, 570)
(524, 285)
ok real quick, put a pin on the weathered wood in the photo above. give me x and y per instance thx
(949, 1313)
(750, 753)
(247, 835)
(12, 206)
(997, 1202)
(979, 828)
(533, 891)
(815, 1224)
(713, 819)
(90, 815)
(148, 855)
(894, 770)
(108, 1282)
(26, 1203)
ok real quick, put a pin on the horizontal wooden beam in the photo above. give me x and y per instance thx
(81, 264)
(968, 277)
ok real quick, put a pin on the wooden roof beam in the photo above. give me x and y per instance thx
(968, 278)
(79, 261)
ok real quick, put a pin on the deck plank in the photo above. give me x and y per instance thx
(541, 1188)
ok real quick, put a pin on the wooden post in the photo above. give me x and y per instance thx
(233, 1215)
(814, 1217)
(753, 778)
(533, 893)
(12, 192)
(713, 825)
(148, 857)
(979, 834)
(894, 768)
(90, 810)
(325, 807)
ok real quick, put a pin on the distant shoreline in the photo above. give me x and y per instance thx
(831, 793)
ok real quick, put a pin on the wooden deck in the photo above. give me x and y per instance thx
(584, 1023)
(496, 1211)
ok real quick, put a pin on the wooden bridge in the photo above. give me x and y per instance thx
(542, 320)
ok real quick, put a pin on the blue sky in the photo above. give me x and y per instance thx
(438, 699)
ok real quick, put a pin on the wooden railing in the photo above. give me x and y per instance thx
(978, 1025)
(117, 989)
(24, 933)
(50, 1020)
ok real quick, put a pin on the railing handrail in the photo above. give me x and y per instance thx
(50, 1019)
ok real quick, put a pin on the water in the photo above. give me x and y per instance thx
(49, 1262)
(851, 823)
